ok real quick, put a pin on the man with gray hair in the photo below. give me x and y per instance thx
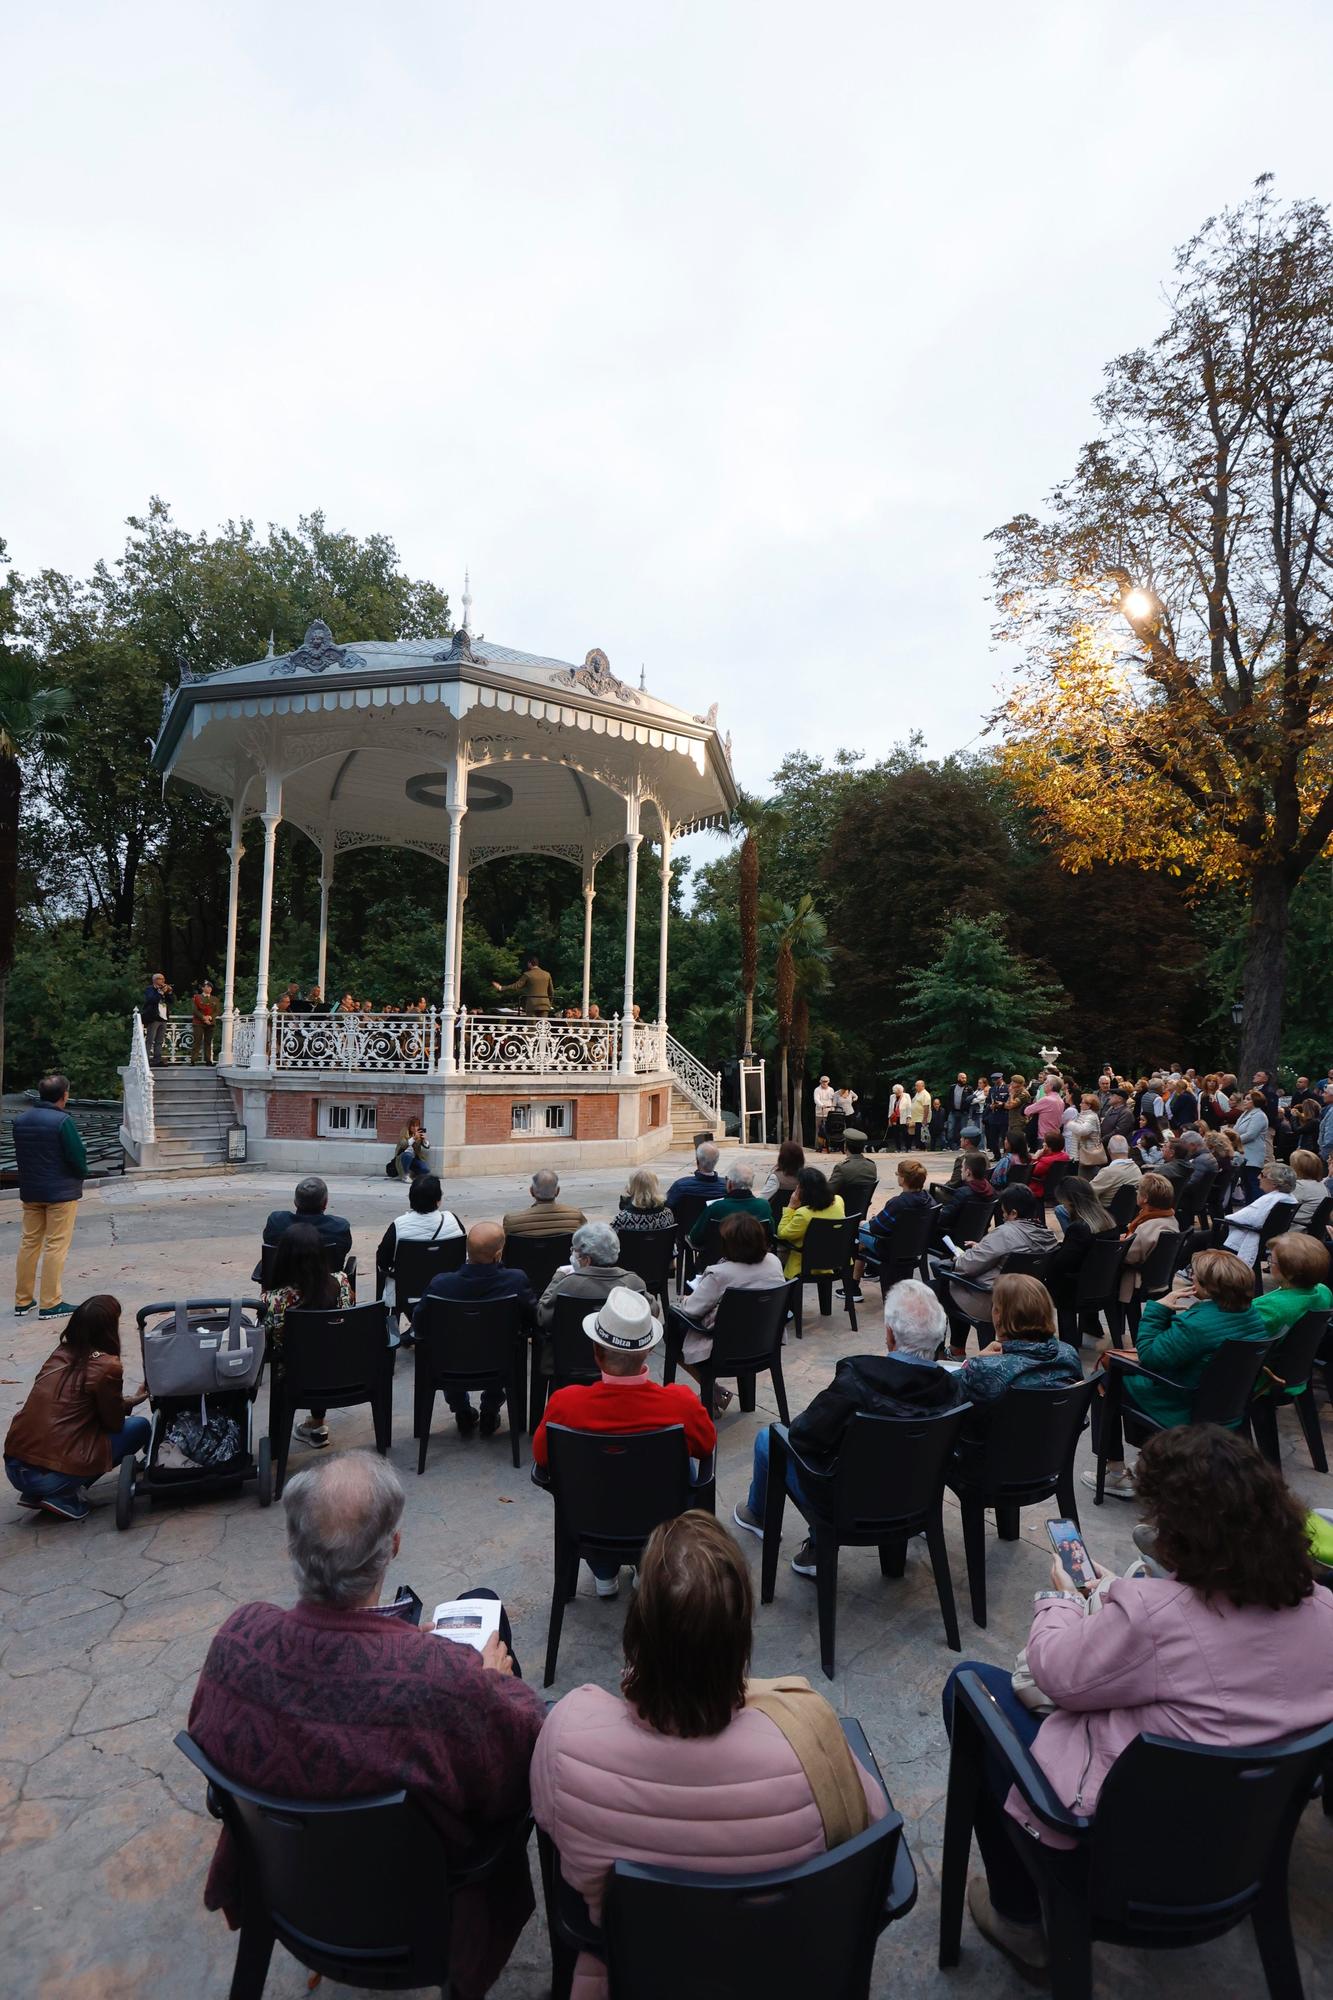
(548, 1215)
(342, 1697)
(738, 1198)
(311, 1204)
(904, 1381)
(1119, 1171)
(592, 1273)
(704, 1184)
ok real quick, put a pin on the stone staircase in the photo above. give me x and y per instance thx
(192, 1109)
(687, 1119)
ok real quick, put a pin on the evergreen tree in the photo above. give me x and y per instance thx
(977, 1006)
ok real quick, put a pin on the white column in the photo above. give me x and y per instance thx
(458, 958)
(632, 838)
(233, 911)
(325, 884)
(457, 800)
(662, 938)
(272, 820)
(589, 895)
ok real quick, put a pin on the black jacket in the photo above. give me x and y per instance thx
(473, 1284)
(876, 1385)
(335, 1230)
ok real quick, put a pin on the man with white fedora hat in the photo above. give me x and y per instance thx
(624, 1333)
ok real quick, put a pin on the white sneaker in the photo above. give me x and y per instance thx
(312, 1434)
(1119, 1486)
(607, 1586)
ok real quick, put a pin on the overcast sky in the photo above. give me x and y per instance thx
(716, 335)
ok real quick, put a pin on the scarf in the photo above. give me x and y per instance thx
(1150, 1215)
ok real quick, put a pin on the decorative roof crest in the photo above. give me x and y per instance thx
(596, 676)
(460, 648)
(317, 653)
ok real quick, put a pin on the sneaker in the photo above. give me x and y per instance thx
(1024, 1945)
(62, 1311)
(1119, 1486)
(467, 1421)
(21, 1312)
(312, 1434)
(803, 1562)
(490, 1420)
(743, 1518)
(66, 1507)
(31, 1502)
(607, 1586)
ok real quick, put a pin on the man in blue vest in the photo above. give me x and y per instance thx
(52, 1166)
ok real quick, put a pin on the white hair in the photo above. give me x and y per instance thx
(705, 1157)
(596, 1243)
(342, 1514)
(740, 1175)
(1118, 1147)
(915, 1317)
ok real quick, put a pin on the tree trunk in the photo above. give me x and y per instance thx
(1265, 973)
(748, 1044)
(783, 1127)
(797, 1103)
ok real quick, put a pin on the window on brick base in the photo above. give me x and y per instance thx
(546, 1119)
(346, 1118)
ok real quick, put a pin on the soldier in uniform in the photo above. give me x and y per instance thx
(535, 986)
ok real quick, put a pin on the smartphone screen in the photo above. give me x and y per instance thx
(1074, 1558)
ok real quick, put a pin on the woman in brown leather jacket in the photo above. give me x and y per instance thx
(76, 1423)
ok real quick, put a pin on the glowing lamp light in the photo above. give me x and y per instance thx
(1137, 604)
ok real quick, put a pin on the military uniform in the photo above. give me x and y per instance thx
(536, 990)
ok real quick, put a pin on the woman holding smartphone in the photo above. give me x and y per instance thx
(1233, 1645)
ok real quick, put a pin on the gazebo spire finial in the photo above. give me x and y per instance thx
(269, 654)
(467, 602)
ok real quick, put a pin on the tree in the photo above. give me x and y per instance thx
(977, 1004)
(784, 991)
(749, 920)
(31, 715)
(801, 969)
(1176, 707)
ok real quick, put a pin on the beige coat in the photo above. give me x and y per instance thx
(1116, 1174)
(1083, 1138)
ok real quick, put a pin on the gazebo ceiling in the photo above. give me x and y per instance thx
(363, 737)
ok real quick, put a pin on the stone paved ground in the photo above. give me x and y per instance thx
(103, 1841)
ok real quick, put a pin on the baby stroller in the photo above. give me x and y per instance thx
(202, 1364)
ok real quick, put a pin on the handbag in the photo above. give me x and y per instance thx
(824, 1754)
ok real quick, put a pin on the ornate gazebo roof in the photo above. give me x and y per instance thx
(363, 735)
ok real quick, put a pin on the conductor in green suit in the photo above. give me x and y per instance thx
(536, 988)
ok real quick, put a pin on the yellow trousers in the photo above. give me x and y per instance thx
(48, 1227)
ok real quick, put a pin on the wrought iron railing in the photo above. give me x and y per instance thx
(702, 1086)
(140, 1121)
(537, 1045)
(242, 1040)
(399, 1042)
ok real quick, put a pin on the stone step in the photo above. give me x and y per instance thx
(176, 1145)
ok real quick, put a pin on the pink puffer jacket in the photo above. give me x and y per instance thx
(1159, 1659)
(608, 1788)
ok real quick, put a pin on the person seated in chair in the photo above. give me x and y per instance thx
(593, 1270)
(623, 1333)
(854, 1175)
(1052, 1154)
(1026, 1353)
(1300, 1270)
(1015, 1154)
(738, 1199)
(1200, 1173)
(1083, 1219)
(705, 1183)
(975, 1185)
(1309, 1190)
(422, 1221)
(548, 1215)
(643, 1210)
(970, 1148)
(301, 1281)
(338, 1699)
(1277, 1188)
(483, 1276)
(965, 1285)
(1229, 1647)
(310, 1205)
(685, 1766)
(874, 1239)
(1119, 1171)
(1177, 1337)
(904, 1381)
(812, 1200)
(746, 1265)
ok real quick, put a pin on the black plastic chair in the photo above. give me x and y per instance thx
(573, 1356)
(1287, 1378)
(687, 1208)
(468, 1345)
(779, 1202)
(747, 1343)
(1022, 1263)
(359, 1891)
(826, 1253)
(906, 1247)
(782, 1934)
(415, 1264)
(973, 1219)
(1187, 1841)
(708, 1250)
(537, 1257)
(1026, 1455)
(331, 1361)
(888, 1485)
(1054, 1178)
(651, 1255)
(611, 1489)
(1316, 1224)
(1097, 1290)
(1124, 1206)
(1276, 1223)
(1154, 1274)
(1221, 1396)
(1221, 1191)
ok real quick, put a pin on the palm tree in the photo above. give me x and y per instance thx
(749, 923)
(802, 967)
(30, 718)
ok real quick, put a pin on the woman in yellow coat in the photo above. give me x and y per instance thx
(812, 1200)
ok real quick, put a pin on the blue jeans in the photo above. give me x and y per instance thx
(759, 1480)
(1012, 1890)
(1062, 1216)
(39, 1484)
(953, 1126)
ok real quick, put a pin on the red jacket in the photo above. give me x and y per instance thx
(1041, 1166)
(628, 1403)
